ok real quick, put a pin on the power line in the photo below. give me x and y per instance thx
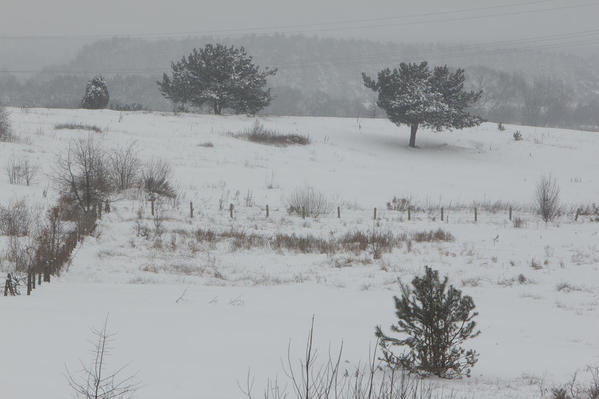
(554, 41)
(325, 26)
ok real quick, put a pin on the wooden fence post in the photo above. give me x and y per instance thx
(267, 211)
(231, 210)
(577, 214)
(475, 214)
(441, 214)
(152, 202)
(29, 283)
(338, 212)
(409, 213)
(191, 209)
(510, 213)
(374, 213)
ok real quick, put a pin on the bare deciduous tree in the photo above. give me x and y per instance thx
(82, 176)
(95, 381)
(20, 171)
(124, 167)
(547, 198)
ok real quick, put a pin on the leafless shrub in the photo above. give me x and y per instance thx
(500, 127)
(259, 134)
(6, 133)
(94, 380)
(77, 126)
(306, 201)
(430, 236)
(518, 222)
(314, 378)
(156, 177)
(547, 198)
(575, 390)
(20, 171)
(400, 204)
(82, 175)
(124, 165)
(15, 219)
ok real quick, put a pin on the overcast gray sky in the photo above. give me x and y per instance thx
(490, 20)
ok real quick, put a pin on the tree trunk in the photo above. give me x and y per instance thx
(414, 128)
(217, 108)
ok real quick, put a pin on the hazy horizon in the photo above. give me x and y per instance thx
(560, 24)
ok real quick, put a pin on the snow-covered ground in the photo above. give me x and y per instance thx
(241, 307)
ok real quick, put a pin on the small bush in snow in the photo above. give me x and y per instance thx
(517, 136)
(547, 198)
(306, 201)
(434, 320)
(95, 380)
(15, 219)
(500, 127)
(155, 178)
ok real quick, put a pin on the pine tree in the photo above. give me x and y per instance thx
(413, 95)
(220, 77)
(434, 321)
(96, 94)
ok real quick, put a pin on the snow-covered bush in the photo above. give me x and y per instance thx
(96, 94)
(306, 201)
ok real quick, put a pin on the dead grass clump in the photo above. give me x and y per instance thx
(204, 235)
(77, 126)
(259, 134)
(306, 244)
(248, 241)
(431, 236)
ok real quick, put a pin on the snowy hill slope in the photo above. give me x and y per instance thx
(536, 286)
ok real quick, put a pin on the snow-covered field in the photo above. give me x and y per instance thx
(240, 308)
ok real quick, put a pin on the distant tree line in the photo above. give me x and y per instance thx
(513, 90)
